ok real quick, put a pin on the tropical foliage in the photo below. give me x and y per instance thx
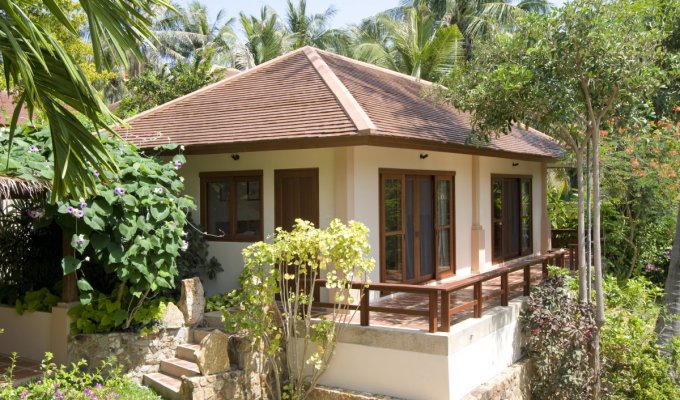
(288, 267)
(132, 231)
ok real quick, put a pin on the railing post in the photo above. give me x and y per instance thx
(478, 299)
(544, 267)
(504, 289)
(446, 307)
(363, 312)
(433, 311)
(527, 280)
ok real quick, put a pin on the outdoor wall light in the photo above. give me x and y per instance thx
(424, 156)
(235, 157)
(515, 164)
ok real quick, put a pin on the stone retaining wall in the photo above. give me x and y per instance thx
(514, 383)
(138, 355)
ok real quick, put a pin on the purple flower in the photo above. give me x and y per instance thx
(83, 205)
(81, 240)
(649, 267)
(34, 213)
(96, 173)
(119, 191)
(178, 164)
(88, 392)
(158, 190)
(69, 210)
(668, 253)
(33, 149)
(79, 213)
(98, 386)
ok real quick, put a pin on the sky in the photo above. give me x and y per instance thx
(348, 11)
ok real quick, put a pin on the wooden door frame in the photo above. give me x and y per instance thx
(434, 174)
(520, 179)
(294, 173)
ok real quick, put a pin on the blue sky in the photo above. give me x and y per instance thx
(349, 11)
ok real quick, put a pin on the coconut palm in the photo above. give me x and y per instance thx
(411, 41)
(312, 30)
(480, 18)
(47, 78)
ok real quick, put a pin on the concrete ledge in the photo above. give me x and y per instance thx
(396, 338)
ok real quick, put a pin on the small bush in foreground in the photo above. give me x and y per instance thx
(107, 382)
(559, 334)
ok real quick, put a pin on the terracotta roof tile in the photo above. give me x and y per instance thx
(314, 96)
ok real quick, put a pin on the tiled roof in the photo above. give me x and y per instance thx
(313, 98)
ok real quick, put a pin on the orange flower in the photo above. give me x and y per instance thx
(635, 162)
(603, 132)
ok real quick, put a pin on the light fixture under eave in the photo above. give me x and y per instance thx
(235, 157)
(424, 156)
(515, 164)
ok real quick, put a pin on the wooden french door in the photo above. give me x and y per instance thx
(296, 195)
(511, 216)
(417, 229)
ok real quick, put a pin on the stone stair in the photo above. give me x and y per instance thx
(168, 380)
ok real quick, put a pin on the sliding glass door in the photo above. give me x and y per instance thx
(511, 217)
(416, 226)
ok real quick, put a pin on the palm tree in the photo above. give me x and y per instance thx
(411, 41)
(47, 78)
(265, 38)
(311, 30)
(480, 18)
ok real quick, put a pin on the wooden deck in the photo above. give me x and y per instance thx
(436, 307)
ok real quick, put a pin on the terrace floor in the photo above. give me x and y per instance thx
(414, 301)
(25, 369)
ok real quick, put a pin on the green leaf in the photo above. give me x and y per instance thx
(99, 241)
(160, 212)
(84, 285)
(70, 264)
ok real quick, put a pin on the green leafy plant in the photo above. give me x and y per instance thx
(127, 236)
(221, 302)
(634, 366)
(560, 333)
(61, 382)
(297, 348)
(39, 300)
(107, 313)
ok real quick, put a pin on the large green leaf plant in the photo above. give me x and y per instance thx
(133, 228)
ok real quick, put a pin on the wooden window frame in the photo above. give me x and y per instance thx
(230, 177)
(385, 173)
(521, 178)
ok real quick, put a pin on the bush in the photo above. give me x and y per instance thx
(129, 234)
(634, 366)
(560, 334)
(107, 382)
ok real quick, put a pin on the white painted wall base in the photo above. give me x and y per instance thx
(417, 365)
(32, 334)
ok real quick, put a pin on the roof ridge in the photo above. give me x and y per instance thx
(375, 67)
(213, 85)
(350, 105)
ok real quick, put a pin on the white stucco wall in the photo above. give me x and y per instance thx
(489, 166)
(229, 253)
(349, 189)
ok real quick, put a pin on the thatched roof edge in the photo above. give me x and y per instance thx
(12, 186)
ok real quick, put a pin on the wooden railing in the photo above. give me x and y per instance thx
(444, 292)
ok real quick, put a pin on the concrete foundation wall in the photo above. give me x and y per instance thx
(417, 365)
(33, 334)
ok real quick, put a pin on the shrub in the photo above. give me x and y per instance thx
(107, 382)
(129, 233)
(106, 314)
(634, 366)
(559, 334)
(288, 268)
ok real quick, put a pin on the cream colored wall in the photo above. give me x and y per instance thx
(349, 184)
(491, 165)
(229, 253)
(32, 334)
(368, 160)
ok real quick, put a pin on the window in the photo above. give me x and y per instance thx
(231, 205)
(511, 234)
(417, 227)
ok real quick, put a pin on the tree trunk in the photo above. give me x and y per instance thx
(668, 324)
(597, 255)
(581, 250)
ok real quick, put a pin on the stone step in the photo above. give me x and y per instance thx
(199, 334)
(177, 367)
(214, 320)
(166, 386)
(187, 351)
